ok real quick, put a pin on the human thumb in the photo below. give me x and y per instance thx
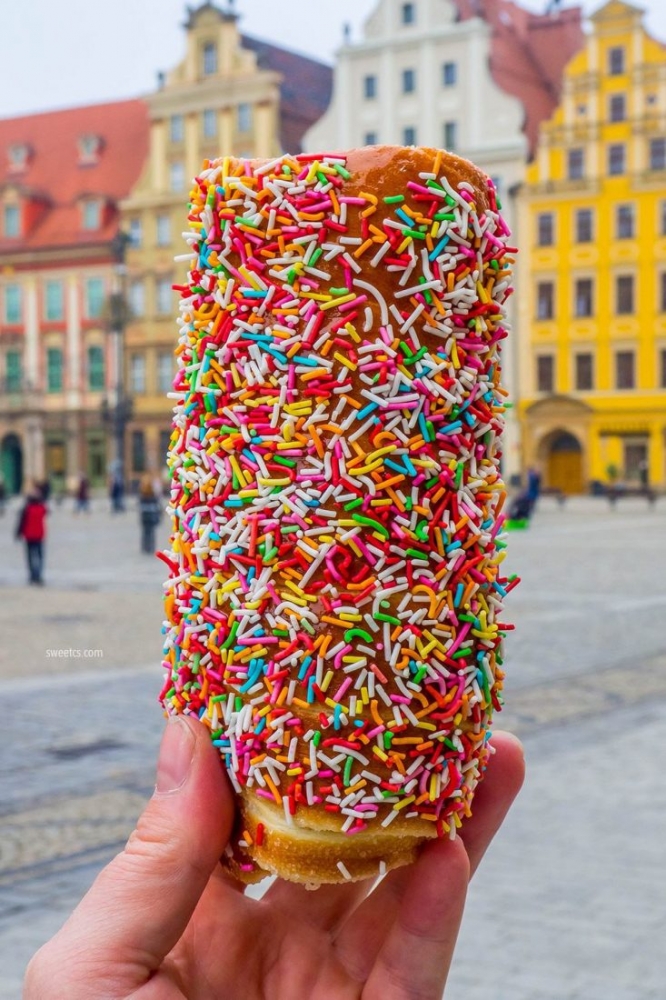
(141, 903)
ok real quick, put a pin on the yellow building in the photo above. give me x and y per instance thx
(592, 283)
(230, 95)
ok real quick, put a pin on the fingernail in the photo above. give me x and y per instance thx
(176, 754)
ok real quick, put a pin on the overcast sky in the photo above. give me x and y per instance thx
(58, 53)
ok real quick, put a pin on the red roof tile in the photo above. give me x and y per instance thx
(529, 52)
(55, 175)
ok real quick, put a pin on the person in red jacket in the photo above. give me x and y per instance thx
(31, 528)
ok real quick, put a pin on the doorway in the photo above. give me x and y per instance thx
(564, 462)
(11, 463)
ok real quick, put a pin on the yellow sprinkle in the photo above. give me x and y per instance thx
(404, 802)
(345, 361)
(338, 301)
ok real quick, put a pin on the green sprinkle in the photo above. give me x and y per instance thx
(351, 633)
(341, 170)
(370, 522)
(284, 461)
(416, 554)
(347, 775)
(394, 199)
(316, 739)
(231, 638)
(353, 503)
(386, 618)
(416, 234)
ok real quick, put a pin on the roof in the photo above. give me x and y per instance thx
(528, 53)
(54, 178)
(305, 90)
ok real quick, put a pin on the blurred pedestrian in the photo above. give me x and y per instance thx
(117, 493)
(31, 527)
(149, 513)
(44, 489)
(82, 495)
(3, 496)
(533, 487)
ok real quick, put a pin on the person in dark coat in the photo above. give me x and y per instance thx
(149, 514)
(117, 494)
(82, 495)
(31, 528)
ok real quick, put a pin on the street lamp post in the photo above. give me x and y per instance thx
(118, 414)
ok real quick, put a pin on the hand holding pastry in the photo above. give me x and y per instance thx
(164, 921)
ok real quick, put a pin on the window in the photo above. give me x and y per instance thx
(163, 230)
(662, 218)
(408, 13)
(370, 86)
(624, 222)
(408, 81)
(617, 111)
(575, 164)
(138, 451)
(54, 369)
(409, 136)
(624, 370)
(545, 229)
(163, 296)
(176, 176)
(89, 147)
(662, 292)
(53, 301)
(209, 123)
(244, 117)
(584, 225)
(165, 441)
(13, 305)
(616, 158)
(662, 368)
(12, 221)
(545, 300)
(658, 154)
(450, 135)
(165, 371)
(95, 368)
(13, 371)
(584, 297)
(209, 60)
(370, 139)
(177, 128)
(137, 298)
(584, 372)
(91, 214)
(94, 297)
(624, 294)
(545, 373)
(616, 61)
(135, 232)
(138, 373)
(18, 156)
(449, 74)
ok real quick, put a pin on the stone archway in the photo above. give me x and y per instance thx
(11, 463)
(561, 458)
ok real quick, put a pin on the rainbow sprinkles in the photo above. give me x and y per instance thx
(335, 566)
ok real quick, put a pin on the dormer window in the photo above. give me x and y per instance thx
(209, 60)
(19, 157)
(92, 212)
(11, 219)
(89, 147)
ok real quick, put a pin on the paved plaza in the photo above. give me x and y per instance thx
(570, 903)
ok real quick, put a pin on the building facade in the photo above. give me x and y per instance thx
(230, 95)
(593, 268)
(473, 77)
(62, 175)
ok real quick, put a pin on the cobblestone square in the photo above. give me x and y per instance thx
(570, 903)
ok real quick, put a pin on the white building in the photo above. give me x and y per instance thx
(463, 75)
